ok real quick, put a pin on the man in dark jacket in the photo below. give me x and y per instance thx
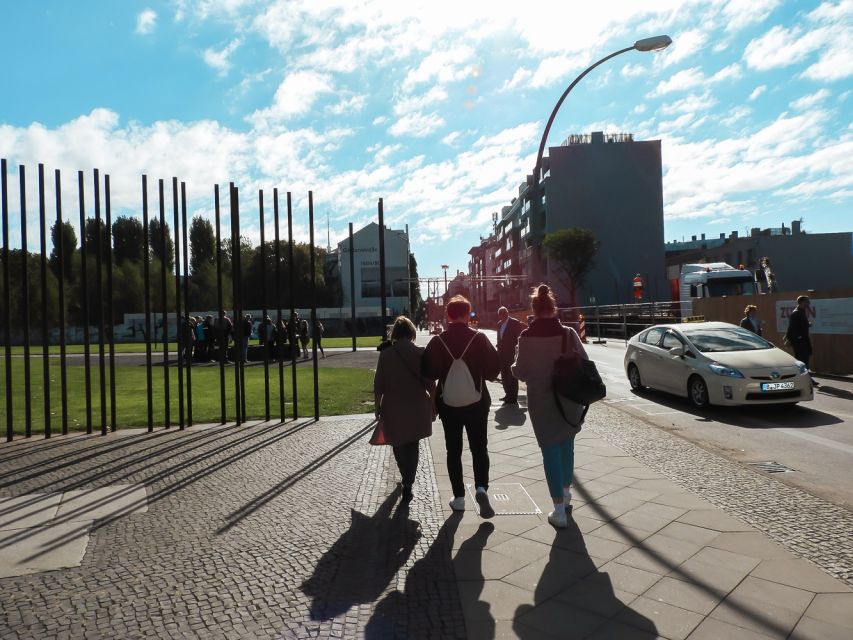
(508, 331)
(475, 350)
(797, 336)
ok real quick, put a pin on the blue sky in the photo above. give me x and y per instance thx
(436, 106)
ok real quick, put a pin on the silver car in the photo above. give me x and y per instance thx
(715, 363)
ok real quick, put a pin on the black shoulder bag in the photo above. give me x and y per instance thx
(577, 379)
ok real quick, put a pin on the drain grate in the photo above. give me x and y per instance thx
(770, 467)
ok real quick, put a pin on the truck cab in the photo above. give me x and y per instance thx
(713, 280)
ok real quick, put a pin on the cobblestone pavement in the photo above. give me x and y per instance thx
(259, 531)
(809, 526)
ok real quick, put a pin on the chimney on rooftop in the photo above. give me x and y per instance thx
(795, 228)
(693, 239)
(703, 236)
(734, 234)
(722, 236)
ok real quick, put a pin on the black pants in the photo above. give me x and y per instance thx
(473, 420)
(406, 456)
(802, 353)
(509, 381)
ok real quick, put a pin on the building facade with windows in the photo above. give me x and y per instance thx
(610, 184)
(366, 260)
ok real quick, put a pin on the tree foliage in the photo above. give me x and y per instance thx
(128, 240)
(202, 244)
(573, 250)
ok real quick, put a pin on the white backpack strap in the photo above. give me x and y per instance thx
(476, 333)
(450, 353)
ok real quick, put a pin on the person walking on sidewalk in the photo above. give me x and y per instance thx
(317, 335)
(404, 400)
(555, 426)
(462, 359)
(797, 335)
(750, 320)
(508, 331)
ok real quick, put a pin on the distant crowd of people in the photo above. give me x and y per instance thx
(208, 339)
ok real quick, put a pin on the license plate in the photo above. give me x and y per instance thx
(776, 386)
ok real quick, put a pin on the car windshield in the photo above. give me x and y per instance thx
(719, 340)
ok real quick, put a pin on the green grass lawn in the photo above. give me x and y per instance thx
(139, 347)
(342, 391)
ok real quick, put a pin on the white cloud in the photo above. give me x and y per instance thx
(443, 66)
(757, 92)
(146, 21)
(691, 103)
(417, 125)
(294, 97)
(782, 47)
(634, 70)
(684, 45)
(555, 68)
(220, 60)
(410, 104)
(808, 101)
(836, 63)
(520, 78)
(742, 13)
(451, 138)
(694, 77)
(350, 105)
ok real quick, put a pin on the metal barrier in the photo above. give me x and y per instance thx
(155, 252)
(621, 321)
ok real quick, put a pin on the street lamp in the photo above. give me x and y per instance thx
(445, 267)
(656, 43)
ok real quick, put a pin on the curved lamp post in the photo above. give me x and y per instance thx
(656, 43)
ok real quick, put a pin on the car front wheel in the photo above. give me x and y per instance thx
(634, 377)
(697, 391)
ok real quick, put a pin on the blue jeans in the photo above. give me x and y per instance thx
(245, 349)
(559, 462)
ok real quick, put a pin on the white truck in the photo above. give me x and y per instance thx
(712, 280)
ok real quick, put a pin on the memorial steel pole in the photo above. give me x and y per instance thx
(383, 296)
(146, 255)
(99, 291)
(279, 338)
(60, 255)
(111, 324)
(189, 363)
(45, 341)
(220, 318)
(84, 283)
(263, 338)
(313, 332)
(179, 324)
(163, 261)
(25, 303)
(7, 300)
(353, 327)
(294, 331)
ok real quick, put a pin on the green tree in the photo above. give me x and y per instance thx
(416, 302)
(155, 241)
(128, 240)
(202, 244)
(92, 226)
(573, 251)
(69, 246)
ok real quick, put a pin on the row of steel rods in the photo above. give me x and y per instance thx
(156, 321)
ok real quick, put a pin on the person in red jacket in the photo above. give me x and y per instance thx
(460, 342)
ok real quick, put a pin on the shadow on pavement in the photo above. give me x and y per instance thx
(510, 415)
(358, 567)
(749, 417)
(429, 606)
(560, 618)
(835, 392)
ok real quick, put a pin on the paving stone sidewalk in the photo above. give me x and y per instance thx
(260, 531)
(645, 554)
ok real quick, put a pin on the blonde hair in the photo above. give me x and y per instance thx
(403, 328)
(542, 300)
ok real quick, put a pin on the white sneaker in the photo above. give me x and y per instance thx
(559, 520)
(458, 504)
(567, 495)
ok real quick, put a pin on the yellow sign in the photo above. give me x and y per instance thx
(693, 319)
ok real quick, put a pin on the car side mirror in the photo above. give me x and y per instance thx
(677, 352)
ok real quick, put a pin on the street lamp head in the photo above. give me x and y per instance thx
(656, 43)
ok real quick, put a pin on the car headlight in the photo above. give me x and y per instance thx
(801, 367)
(722, 370)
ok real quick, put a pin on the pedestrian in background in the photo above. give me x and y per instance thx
(555, 426)
(462, 359)
(303, 336)
(247, 326)
(508, 331)
(318, 336)
(404, 400)
(797, 335)
(750, 320)
(281, 334)
(210, 333)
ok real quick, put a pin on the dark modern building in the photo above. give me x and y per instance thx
(799, 260)
(610, 184)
